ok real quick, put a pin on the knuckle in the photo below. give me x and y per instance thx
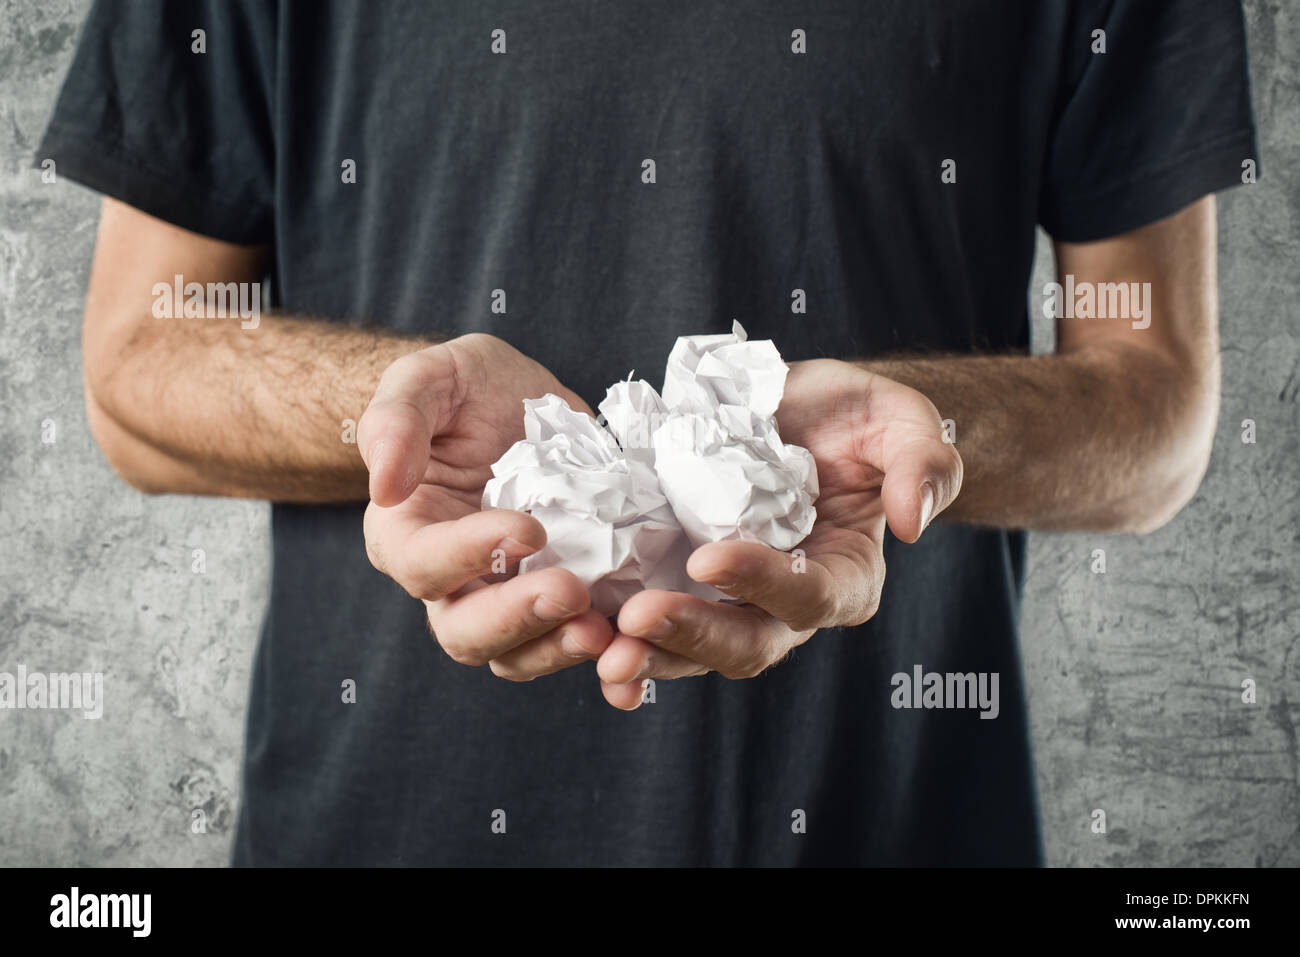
(819, 609)
(873, 604)
(429, 584)
(784, 655)
(476, 339)
(419, 586)
(463, 653)
(436, 584)
(822, 612)
(867, 605)
(932, 410)
(744, 669)
(396, 568)
(415, 590)
(864, 614)
(877, 586)
(409, 364)
(809, 621)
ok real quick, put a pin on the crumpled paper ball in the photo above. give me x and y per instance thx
(624, 507)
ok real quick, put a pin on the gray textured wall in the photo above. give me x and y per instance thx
(1135, 674)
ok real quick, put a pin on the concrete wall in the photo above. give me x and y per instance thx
(1135, 674)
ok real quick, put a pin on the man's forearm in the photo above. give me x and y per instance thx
(1105, 438)
(204, 406)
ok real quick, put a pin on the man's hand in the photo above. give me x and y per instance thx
(880, 458)
(438, 420)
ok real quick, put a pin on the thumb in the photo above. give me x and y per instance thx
(414, 401)
(923, 475)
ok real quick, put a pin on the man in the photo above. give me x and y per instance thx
(461, 206)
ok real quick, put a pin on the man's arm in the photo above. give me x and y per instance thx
(205, 406)
(1112, 432)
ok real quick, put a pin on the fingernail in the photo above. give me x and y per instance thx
(927, 505)
(639, 698)
(724, 584)
(546, 609)
(513, 548)
(569, 647)
(658, 631)
(646, 668)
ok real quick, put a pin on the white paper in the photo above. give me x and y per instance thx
(624, 507)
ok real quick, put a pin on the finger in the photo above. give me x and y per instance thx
(581, 639)
(629, 659)
(432, 561)
(484, 623)
(922, 477)
(625, 697)
(836, 583)
(904, 439)
(738, 641)
(414, 400)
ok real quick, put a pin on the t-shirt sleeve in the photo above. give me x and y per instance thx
(175, 123)
(1160, 119)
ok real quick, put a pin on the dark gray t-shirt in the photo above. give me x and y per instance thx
(775, 170)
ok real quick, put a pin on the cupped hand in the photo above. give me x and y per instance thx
(881, 458)
(438, 420)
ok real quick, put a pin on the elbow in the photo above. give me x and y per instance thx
(118, 450)
(119, 447)
(1167, 495)
(1177, 466)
